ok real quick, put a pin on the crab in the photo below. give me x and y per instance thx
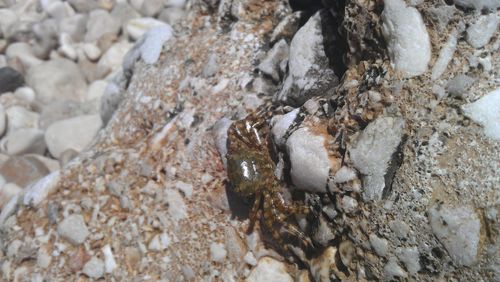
(250, 170)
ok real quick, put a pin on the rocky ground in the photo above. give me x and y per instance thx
(383, 115)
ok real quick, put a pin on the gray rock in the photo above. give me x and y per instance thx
(152, 8)
(478, 4)
(274, 58)
(7, 18)
(84, 6)
(373, 152)
(22, 52)
(211, 67)
(74, 133)
(442, 15)
(3, 120)
(73, 229)
(379, 245)
(101, 23)
(309, 69)
(261, 85)
(310, 164)
(124, 13)
(22, 171)
(459, 230)
(172, 15)
(75, 26)
(110, 101)
(10, 79)
(24, 141)
(458, 85)
(60, 110)
(45, 38)
(59, 10)
(57, 79)
(94, 268)
(480, 33)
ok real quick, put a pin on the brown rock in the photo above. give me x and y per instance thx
(22, 171)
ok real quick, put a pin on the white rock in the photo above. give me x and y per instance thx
(480, 33)
(113, 57)
(57, 79)
(177, 209)
(109, 260)
(220, 136)
(138, 27)
(185, 188)
(92, 52)
(25, 93)
(309, 71)
(309, 160)
(250, 259)
(445, 56)
(393, 270)
(281, 124)
(269, 270)
(73, 229)
(379, 245)
(349, 204)
(411, 258)
(66, 47)
(3, 120)
(406, 35)
(96, 90)
(100, 22)
(459, 230)
(218, 252)
(23, 52)
(373, 151)
(271, 63)
(153, 43)
(159, 242)
(37, 192)
(94, 268)
(24, 141)
(344, 174)
(7, 192)
(486, 112)
(74, 133)
(20, 118)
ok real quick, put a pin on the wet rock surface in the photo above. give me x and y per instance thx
(384, 153)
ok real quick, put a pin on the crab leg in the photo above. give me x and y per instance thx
(254, 212)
